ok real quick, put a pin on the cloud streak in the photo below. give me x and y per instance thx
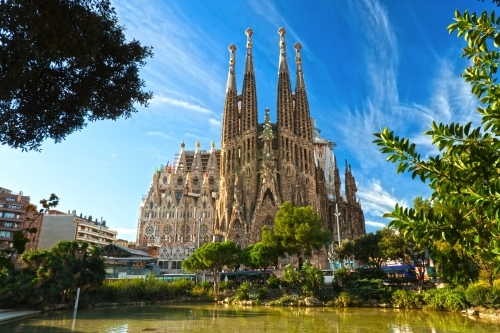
(376, 224)
(181, 104)
(376, 200)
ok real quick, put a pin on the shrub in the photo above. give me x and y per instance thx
(366, 290)
(493, 299)
(226, 285)
(262, 293)
(407, 299)
(182, 286)
(370, 273)
(344, 276)
(273, 282)
(243, 292)
(445, 299)
(199, 290)
(344, 300)
(285, 301)
(477, 294)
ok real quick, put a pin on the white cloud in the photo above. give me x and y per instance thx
(376, 224)
(375, 200)
(179, 103)
(214, 122)
(125, 231)
(161, 134)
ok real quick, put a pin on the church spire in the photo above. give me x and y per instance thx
(249, 117)
(230, 118)
(300, 84)
(249, 57)
(283, 67)
(302, 115)
(231, 78)
(285, 103)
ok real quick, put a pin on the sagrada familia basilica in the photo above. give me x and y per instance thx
(215, 195)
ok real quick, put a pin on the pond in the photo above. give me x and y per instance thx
(211, 318)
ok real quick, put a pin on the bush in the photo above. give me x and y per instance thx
(344, 300)
(407, 299)
(273, 282)
(243, 292)
(309, 281)
(285, 301)
(262, 293)
(370, 273)
(477, 293)
(344, 276)
(226, 285)
(445, 299)
(366, 290)
(484, 295)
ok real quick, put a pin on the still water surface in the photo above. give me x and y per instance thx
(211, 318)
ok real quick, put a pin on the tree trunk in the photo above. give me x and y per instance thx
(216, 281)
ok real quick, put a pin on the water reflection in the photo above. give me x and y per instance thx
(211, 318)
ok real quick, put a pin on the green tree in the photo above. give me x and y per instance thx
(19, 237)
(259, 256)
(308, 281)
(454, 266)
(465, 175)
(297, 231)
(52, 276)
(345, 250)
(64, 63)
(367, 249)
(213, 256)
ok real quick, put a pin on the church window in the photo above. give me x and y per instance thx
(168, 205)
(195, 181)
(151, 205)
(204, 205)
(179, 181)
(211, 180)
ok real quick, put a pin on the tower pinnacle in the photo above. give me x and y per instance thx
(231, 78)
(283, 67)
(298, 60)
(249, 57)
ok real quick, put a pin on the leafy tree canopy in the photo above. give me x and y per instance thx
(64, 63)
(213, 256)
(367, 248)
(259, 256)
(466, 173)
(297, 230)
(47, 274)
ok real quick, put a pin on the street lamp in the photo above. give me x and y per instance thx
(102, 223)
(337, 214)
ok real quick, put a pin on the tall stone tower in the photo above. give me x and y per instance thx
(263, 165)
(232, 193)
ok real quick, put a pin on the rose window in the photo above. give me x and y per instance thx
(149, 230)
(204, 230)
(167, 230)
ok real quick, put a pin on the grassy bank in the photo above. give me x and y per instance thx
(278, 293)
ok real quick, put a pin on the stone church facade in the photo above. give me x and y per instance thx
(232, 192)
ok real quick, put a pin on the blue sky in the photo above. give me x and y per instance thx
(367, 64)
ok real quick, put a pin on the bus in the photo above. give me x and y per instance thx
(242, 276)
(399, 273)
(173, 277)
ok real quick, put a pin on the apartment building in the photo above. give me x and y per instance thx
(13, 217)
(60, 226)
